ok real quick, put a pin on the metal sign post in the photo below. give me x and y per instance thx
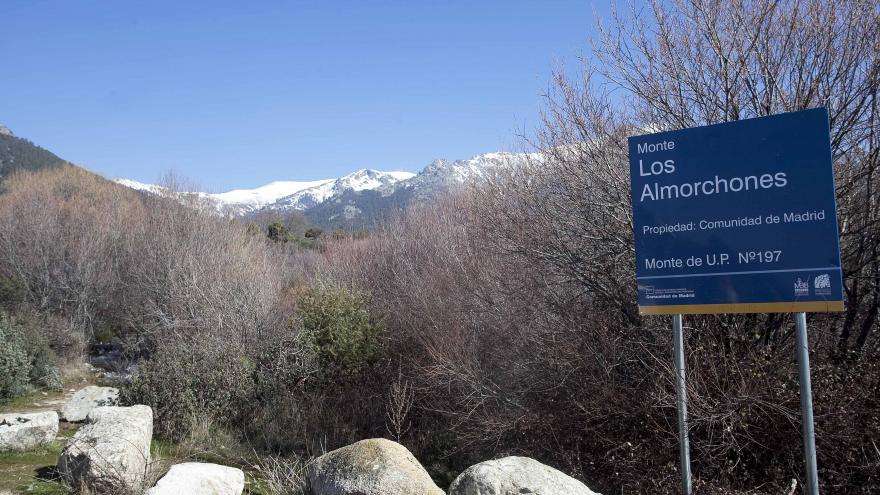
(681, 393)
(803, 357)
(738, 217)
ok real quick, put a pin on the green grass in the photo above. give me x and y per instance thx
(74, 380)
(165, 453)
(222, 450)
(26, 402)
(40, 487)
(33, 471)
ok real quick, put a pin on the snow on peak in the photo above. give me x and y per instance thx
(438, 176)
(264, 195)
(360, 180)
(139, 186)
(239, 200)
(371, 179)
(474, 167)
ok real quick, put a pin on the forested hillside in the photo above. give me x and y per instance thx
(20, 154)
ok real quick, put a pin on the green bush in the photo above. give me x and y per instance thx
(66, 339)
(337, 325)
(12, 294)
(303, 407)
(105, 334)
(278, 232)
(26, 361)
(14, 365)
(187, 380)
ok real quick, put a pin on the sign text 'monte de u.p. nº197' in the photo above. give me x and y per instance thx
(737, 217)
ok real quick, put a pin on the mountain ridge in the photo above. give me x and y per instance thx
(356, 200)
(17, 153)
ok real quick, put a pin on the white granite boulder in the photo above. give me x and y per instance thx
(197, 478)
(111, 452)
(370, 467)
(26, 431)
(83, 401)
(516, 476)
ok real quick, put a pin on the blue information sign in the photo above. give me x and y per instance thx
(737, 217)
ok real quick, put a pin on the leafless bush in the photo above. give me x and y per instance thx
(700, 62)
(508, 307)
(138, 265)
(58, 231)
(283, 476)
(400, 401)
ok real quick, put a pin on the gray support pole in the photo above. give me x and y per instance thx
(681, 393)
(803, 357)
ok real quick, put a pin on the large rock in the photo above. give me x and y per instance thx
(21, 432)
(81, 404)
(196, 478)
(516, 476)
(370, 467)
(111, 452)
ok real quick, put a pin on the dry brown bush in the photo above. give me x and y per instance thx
(137, 266)
(509, 308)
(59, 231)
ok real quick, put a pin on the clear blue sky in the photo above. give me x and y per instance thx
(237, 94)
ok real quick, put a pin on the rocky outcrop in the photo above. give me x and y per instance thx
(22, 432)
(515, 476)
(82, 402)
(111, 452)
(196, 478)
(370, 467)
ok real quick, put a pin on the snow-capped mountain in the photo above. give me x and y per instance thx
(363, 209)
(355, 200)
(243, 201)
(286, 195)
(441, 175)
(362, 180)
(140, 186)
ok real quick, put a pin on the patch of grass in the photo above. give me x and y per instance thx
(75, 378)
(21, 402)
(32, 471)
(255, 486)
(264, 475)
(42, 487)
(66, 430)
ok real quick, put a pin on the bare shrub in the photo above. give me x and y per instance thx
(283, 475)
(400, 401)
(135, 265)
(190, 271)
(508, 308)
(59, 230)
